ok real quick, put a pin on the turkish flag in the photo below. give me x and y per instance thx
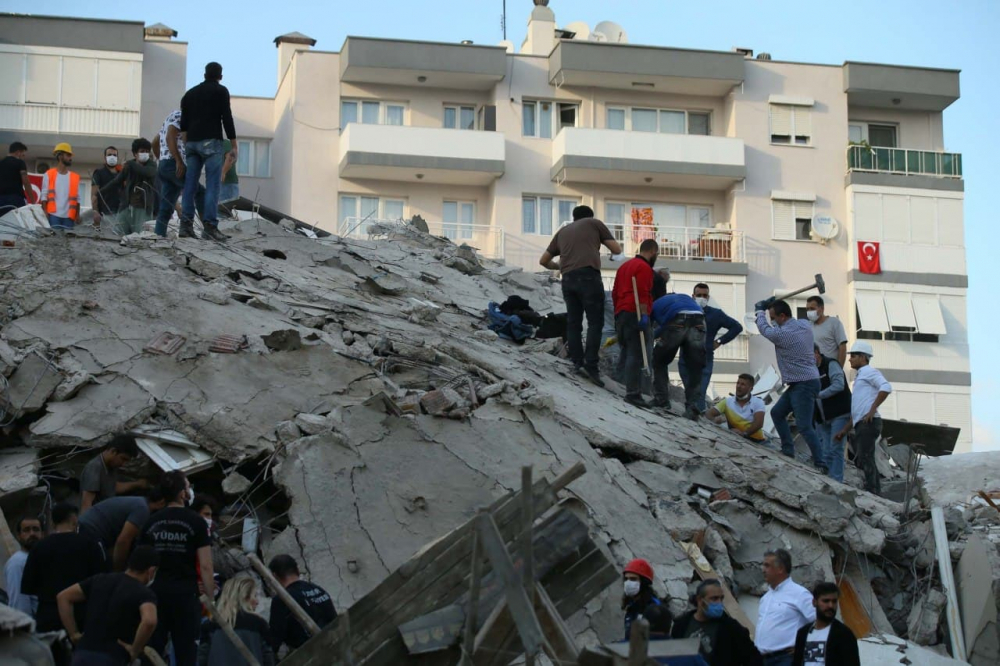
(868, 257)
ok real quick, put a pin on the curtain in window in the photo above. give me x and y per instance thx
(348, 209)
(672, 122)
(392, 209)
(616, 119)
(369, 210)
(565, 212)
(369, 113)
(643, 120)
(449, 219)
(528, 225)
(545, 120)
(393, 115)
(545, 216)
(348, 113)
(468, 117)
(528, 119)
(243, 158)
(262, 159)
(614, 214)
(449, 118)
(468, 218)
(698, 123)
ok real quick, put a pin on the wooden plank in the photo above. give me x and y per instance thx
(948, 583)
(852, 610)
(528, 561)
(558, 636)
(485, 649)
(303, 618)
(153, 656)
(638, 642)
(471, 619)
(705, 572)
(230, 632)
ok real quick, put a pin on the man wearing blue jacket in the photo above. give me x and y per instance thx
(680, 325)
(715, 321)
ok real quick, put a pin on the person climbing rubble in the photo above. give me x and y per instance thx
(722, 640)
(639, 599)
(629, 323)
(680, 327)
(99, 478)
(114, 525)
(312, 598)
(578, 246)
(870, 391)
(784, 609)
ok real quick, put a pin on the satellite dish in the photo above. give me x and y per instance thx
(825, 227)
(611, 31)
(507, 44)
(581, 29)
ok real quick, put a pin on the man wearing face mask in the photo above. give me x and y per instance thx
(639, 599)
(110, 203)
(723, 641)
(137, 176)
(61, 190)
(715, 321)
(180, 536)
(828, 332)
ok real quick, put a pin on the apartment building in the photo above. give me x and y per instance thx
(753, 173)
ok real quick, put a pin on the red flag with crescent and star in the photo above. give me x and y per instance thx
(869, 260)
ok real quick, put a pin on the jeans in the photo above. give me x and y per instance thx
(170, 188)
(799, 399)
(229, 191)
(706, 379)
(834, 448)
(779, 659)
(865, 438)
(179, 616)
(687, 334)
(583, 292)
(60, 222)
(208, 154)
(132, 220)
(91, 658)
(627, 330)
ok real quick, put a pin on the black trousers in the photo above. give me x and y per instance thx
(627, 330)
(179, 620)
(684, 333)
(583, 292)
(865, 438)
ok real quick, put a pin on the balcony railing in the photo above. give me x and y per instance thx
(737, 349)
(68, 119)
(684, 243)
(904, 161)
(487, 239)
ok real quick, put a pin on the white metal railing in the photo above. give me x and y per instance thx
(737, 349)
(684, 243)
(487, 239)
(68, 119)
(904, 161)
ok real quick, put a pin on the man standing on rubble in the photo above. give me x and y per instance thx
(680, 326)
(793, 347)
(578, 246)
(870, 391)
(205, 112)
(833, 411)
(722, 640)
(15, 188)
(828, 332)
(715, 321)
(61, 190)
(28, 532)
(313, 599)
(106, 203)
(99, 479)
(827, 641)
(169, 145)
(181, 538)
(784, 609)
(628, 322)
(138, 178)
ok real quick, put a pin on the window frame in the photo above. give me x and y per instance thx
(251, 153)
(555, 124)
(793, 110)
(554, 212)
(380, 214)
(383, 105)
(618, 231)
(865, 124)
(460, 226)
(627, 109)
(795, 219)
(457, 108)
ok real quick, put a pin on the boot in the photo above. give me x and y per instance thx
(186, 230)
(213, 233)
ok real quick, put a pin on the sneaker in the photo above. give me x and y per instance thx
(594, 376)
(186, 230)
(691, 413)
(213, 233)
(638, 401)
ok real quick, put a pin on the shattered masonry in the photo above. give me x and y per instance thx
(361, 381)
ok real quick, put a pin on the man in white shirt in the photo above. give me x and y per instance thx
(784, 609)
(870, 390)
(29, 532)
(828, 332)
(743, 412)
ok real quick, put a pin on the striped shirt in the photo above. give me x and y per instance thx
(793, 346)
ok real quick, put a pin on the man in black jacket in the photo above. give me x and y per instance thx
(724, 641)
(826, 641)
(205, 112)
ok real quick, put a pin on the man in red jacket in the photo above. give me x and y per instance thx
(628, 322)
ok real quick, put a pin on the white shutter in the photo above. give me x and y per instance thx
(927, 311)
(11, 77)
(781, 119)
(42, 86)
(897, 306)
(113, 83)
(803, 120)
(955, 410)
(871, 309)
(916, 406)
(78, 81)
(783, 220)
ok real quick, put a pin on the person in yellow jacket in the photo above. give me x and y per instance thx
(61, 190)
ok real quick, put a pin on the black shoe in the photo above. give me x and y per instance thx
(213, 233)
(594, 376)
(638, 401)
(691, 413)
(186, 230)
(661, 403)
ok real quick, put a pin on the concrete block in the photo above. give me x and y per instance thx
(31, 385)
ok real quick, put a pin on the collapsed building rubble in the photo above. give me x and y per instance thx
(358, 407)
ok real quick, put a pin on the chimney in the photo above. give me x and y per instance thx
(287, 46)
(541, 37)
(159, 33)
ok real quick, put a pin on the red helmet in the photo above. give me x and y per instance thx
(640, 567)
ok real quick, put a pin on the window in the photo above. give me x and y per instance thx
(460, 117)
(664, 121)
(877, 135)
(358, 212)
(457, 218)
(666, 218)
(791, 124)
(539, 118)
(371, 112)
(791, 220)
(544, 215)
(254, 158)
(899, 316)
(567, 115)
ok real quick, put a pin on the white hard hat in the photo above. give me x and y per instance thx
(862, 347)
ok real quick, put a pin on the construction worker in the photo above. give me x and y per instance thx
(870, 391)
(61, 190)
(313, 599)
(639, 599)
(629, 323)
(15, 188)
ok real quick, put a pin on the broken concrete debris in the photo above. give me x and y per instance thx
(357, 383)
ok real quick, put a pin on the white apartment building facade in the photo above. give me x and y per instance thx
(728, 161)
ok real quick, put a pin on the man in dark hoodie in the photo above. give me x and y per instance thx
(724, 641)
(139, 176)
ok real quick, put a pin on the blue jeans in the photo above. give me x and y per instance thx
(782, 659)
(170, 188)
(706, 376)
(799, 398)
(208, 154)
(229, 191)
(60, 222)
(834, 448)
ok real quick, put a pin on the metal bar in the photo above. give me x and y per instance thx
(297, 612)
(230, 632)
(153, 656)
(948, 583)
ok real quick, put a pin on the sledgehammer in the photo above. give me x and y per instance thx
(819, 285)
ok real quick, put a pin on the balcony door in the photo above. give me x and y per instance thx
(881, 136)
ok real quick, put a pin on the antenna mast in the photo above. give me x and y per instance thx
(503, 20)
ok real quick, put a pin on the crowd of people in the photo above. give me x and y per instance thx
(122, 572)
(794, 627)
(653, 327)
(199, 136)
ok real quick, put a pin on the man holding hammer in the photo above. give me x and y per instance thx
(633, 300)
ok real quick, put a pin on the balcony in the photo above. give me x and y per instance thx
(900, 88)
(684, 243)
(487, 239)
(62, 120)
(902, 167)
(421, 154)
(429, 64)
(619, 157)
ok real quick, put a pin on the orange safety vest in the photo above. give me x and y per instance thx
(74, 193)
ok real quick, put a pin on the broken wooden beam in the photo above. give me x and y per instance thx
(297, 612)
(229, 632)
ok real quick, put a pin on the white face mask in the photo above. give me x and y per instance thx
(209, 521)
(112, 160)
(812, 315)
(701, 301)
(632, 588)
(143, 158)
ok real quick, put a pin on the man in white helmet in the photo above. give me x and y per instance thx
(870, 390)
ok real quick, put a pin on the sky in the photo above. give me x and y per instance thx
(959, 34)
